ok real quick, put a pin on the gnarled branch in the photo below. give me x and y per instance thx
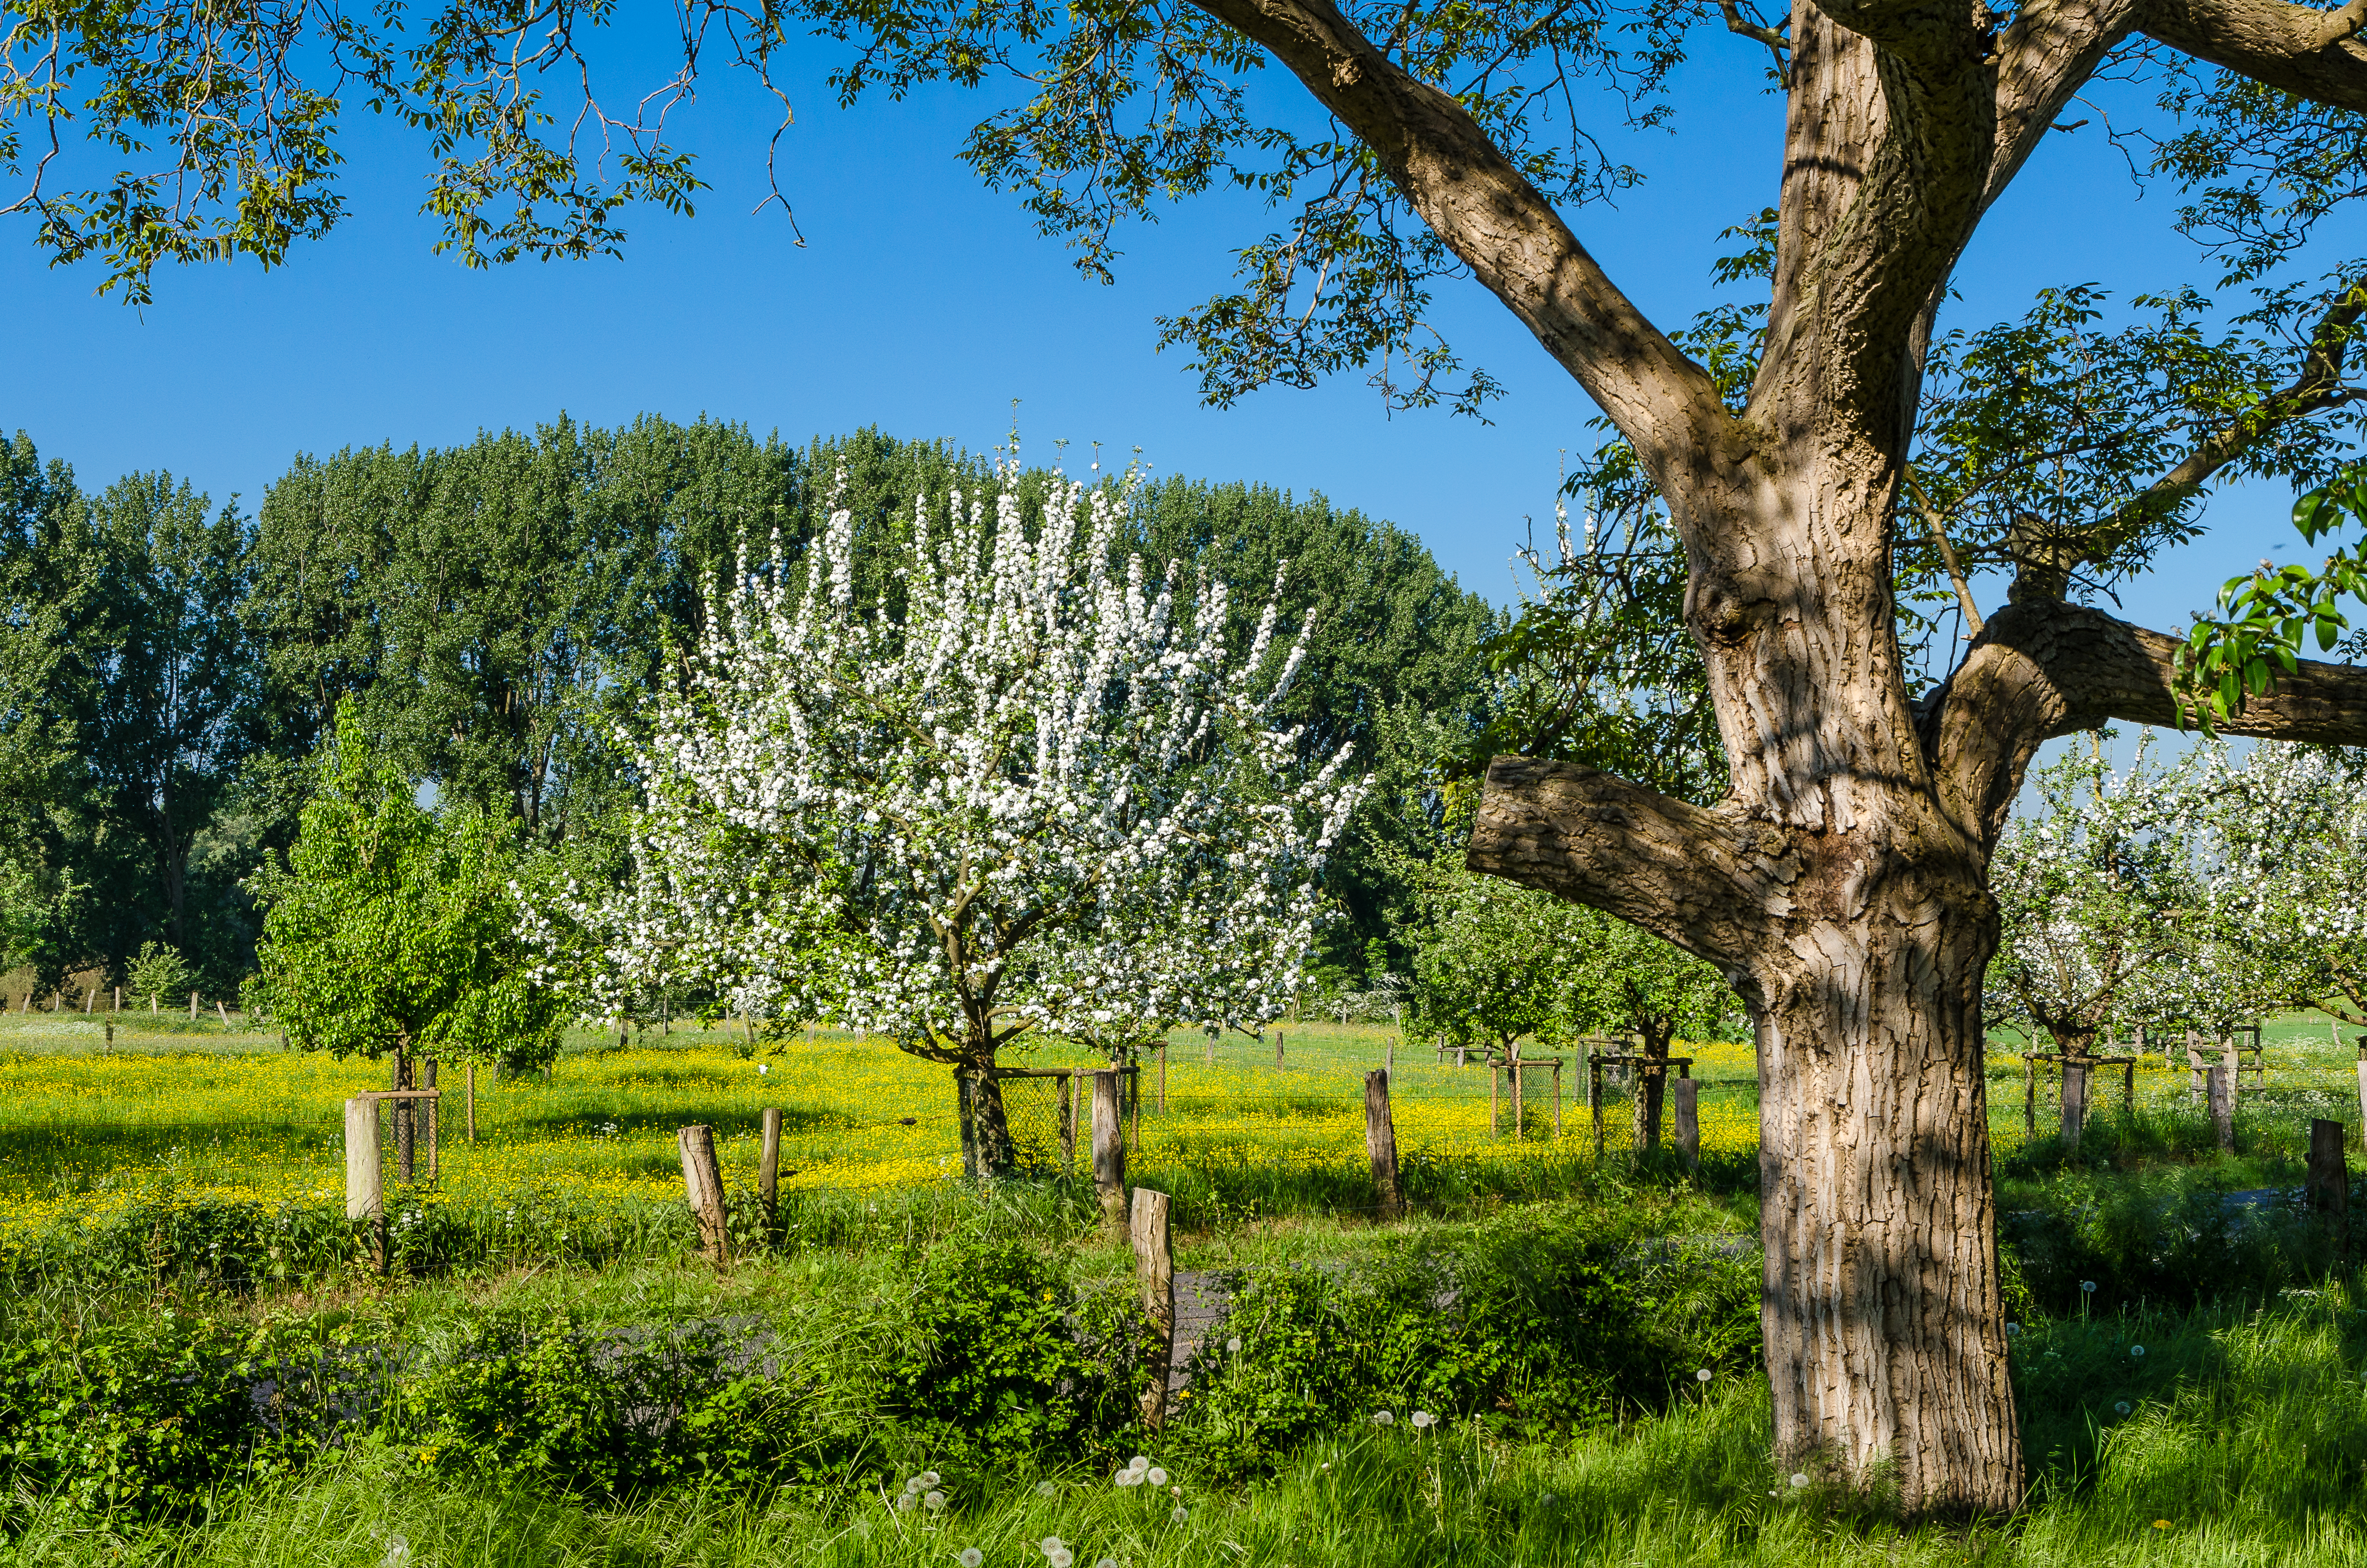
(1490, 214)
(1707, 881)
(2043, 668)
(2300, 50)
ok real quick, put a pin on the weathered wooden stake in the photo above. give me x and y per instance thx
(1689, 1122)
(2029, 1095)
(2329, 1183)
(1109, 1152)
(2075, 1102)
(471, 1094)
(1557, 1098)
(1381, 1143)
(218, 1008)
(404, 1121)
(2223, 1106)
(1162, 1077)
(1390, 1054)
(434, 1122)
(1154, 1265)
(702, 1180)
(1495, 1082)
(1277, 1050)
(768, 1171)
(1594, 1100)
(193, 1006)
(1520, 1127)
(1069, 1122)
(118, 999)
(88, 997)
(2362, 1090)
(365, 1193)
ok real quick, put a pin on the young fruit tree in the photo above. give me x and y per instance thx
(1824, 453)
(394, 930)
(1023, 790)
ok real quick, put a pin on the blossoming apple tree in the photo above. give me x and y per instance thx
(1022, 787)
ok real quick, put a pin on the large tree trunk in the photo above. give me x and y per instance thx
(1885, 1348)
(987, 1151)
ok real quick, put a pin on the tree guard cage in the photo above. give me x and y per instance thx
(1629, 1069)
(1045, 1105)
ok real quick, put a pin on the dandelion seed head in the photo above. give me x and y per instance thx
(1045, 1489)
(1156, 1476)
(1799, 1478)
(935, 1502)
(1702, 1376)
(970, 1557)
(1233, 1345)
(1181, 1514)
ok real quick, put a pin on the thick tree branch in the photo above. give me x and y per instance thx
(1707, 881)
(1777, 44)
(2044, 668)
(1502, 225)
(2044, 58)
(2300, 50)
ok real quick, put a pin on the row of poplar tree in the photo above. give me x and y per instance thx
(492, 617)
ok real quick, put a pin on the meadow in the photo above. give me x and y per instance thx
(2193, 1390)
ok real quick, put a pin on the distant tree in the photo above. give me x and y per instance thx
(395, 930)
(1486, 958)
(159, 972)
(1024, 790)
(1619, 978)
(2105, 919)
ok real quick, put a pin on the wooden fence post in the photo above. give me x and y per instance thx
(471, 1095)
(118, 999)
(768, 1172)
(2362, 1090)
(435, 1122)
(1069, 1122)
(2329, 1175)
(702, 1179)
(1520, 1127)
(1381, 1143)
(1557, 1062)
(193, 1006)
(2223, 1106)
(406, 1120)
(1162, 1077)
(1109, 1152)
(1594, 1100)
(2075, 1102)
(1154, 1265)
(1389, 1055)
(2029, 1095)
(1277, 1050)
(1495, 1082)
(1689, 1121)
(365, 1193)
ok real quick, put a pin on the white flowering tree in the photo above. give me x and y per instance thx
(1023, 790)
(2287, 873)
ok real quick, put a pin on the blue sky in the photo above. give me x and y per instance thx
(924, 303)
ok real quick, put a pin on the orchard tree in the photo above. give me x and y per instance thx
(393, 930)
(2287, 857)
(2103, 911)
(1842, 880)
(1618, 977)
(1487, 967)
(1017, 789)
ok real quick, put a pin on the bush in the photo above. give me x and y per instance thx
(2169, 1239)
(1527, 1327)
(1008, 1361)
(611, 1416)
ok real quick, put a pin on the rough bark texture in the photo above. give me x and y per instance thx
(1842, 885)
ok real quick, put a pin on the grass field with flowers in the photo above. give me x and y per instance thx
(92, 1125)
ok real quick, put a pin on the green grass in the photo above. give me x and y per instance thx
(2245, 1435)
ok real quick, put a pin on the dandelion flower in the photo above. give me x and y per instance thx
(1048, 1545)
(1156, 1476)
(935, 1502)
(2137, 1351)
(1799, 1478)
(1422, 1418)
(2161, 1523)
(928, 1478)
(1138, 1463)
(970, 1558)
(2122, 1408)
(2012, 1329)
(1106, 1563)
(2087, 1287)
(1061, 1559)
(1233, 1345)
(1383, 1418)
(1181, 1514)
(1702, 1376)
(1045, 1489)
(398, 1553)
